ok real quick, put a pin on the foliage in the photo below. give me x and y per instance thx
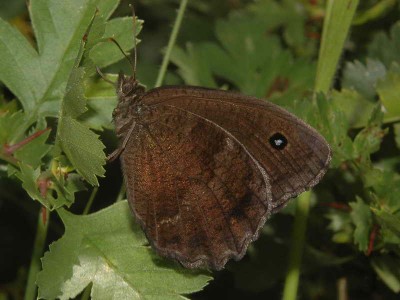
(55, 115)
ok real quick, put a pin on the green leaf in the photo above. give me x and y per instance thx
(101, 101)
(362, 218)
(40, 77)
(121, 29)
(56, 194)
(369, 139)
(327, 117)
(356, 108)
(386, 185)
(83, 148)
(65, 190)
(389, 93)
(33, 152)
(19, 66)
(249, 59)
(289, 15)
(108, 250)
(37, 75)
(99, 113)
(385, 48)
(388, 220)
(74, 103)
(363, 78)
(191, 66)
(341, 224)
(8, 125)
(388, 269)
(29, 178)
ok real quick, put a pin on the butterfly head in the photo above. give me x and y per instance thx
(130, 93)
(128, 88)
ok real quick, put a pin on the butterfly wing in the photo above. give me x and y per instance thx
(292, 170)
(202, 176)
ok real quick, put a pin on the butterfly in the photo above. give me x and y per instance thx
(205, 168)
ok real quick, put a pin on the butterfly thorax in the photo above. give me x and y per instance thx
(129, 107)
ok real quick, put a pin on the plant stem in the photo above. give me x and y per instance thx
(90, 201)
(339, 15)
(342, 289)
(38, 247)
(296, 248)
(121, 194)
(171, 43)
(88, 289)
(376, 11)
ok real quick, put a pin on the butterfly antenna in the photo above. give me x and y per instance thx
(103, 76)
(126, 56)
(134, 40)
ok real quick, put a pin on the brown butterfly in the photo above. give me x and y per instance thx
(205, 168)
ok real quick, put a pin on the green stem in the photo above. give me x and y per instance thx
(339, 15)
(296, 248)
(376, 11)
(90, 201)
(342, 289)
(38, 248)
(171, 43)
(121, 194)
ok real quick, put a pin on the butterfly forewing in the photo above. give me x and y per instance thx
(253, 122)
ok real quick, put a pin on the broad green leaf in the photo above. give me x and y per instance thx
(388, 269)
(36, 77)
(108, 250)
(362, 219)
(363, 78)
(20, 66)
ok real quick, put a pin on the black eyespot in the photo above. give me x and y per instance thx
(278, 141)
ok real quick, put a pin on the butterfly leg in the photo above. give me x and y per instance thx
(117, 152)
